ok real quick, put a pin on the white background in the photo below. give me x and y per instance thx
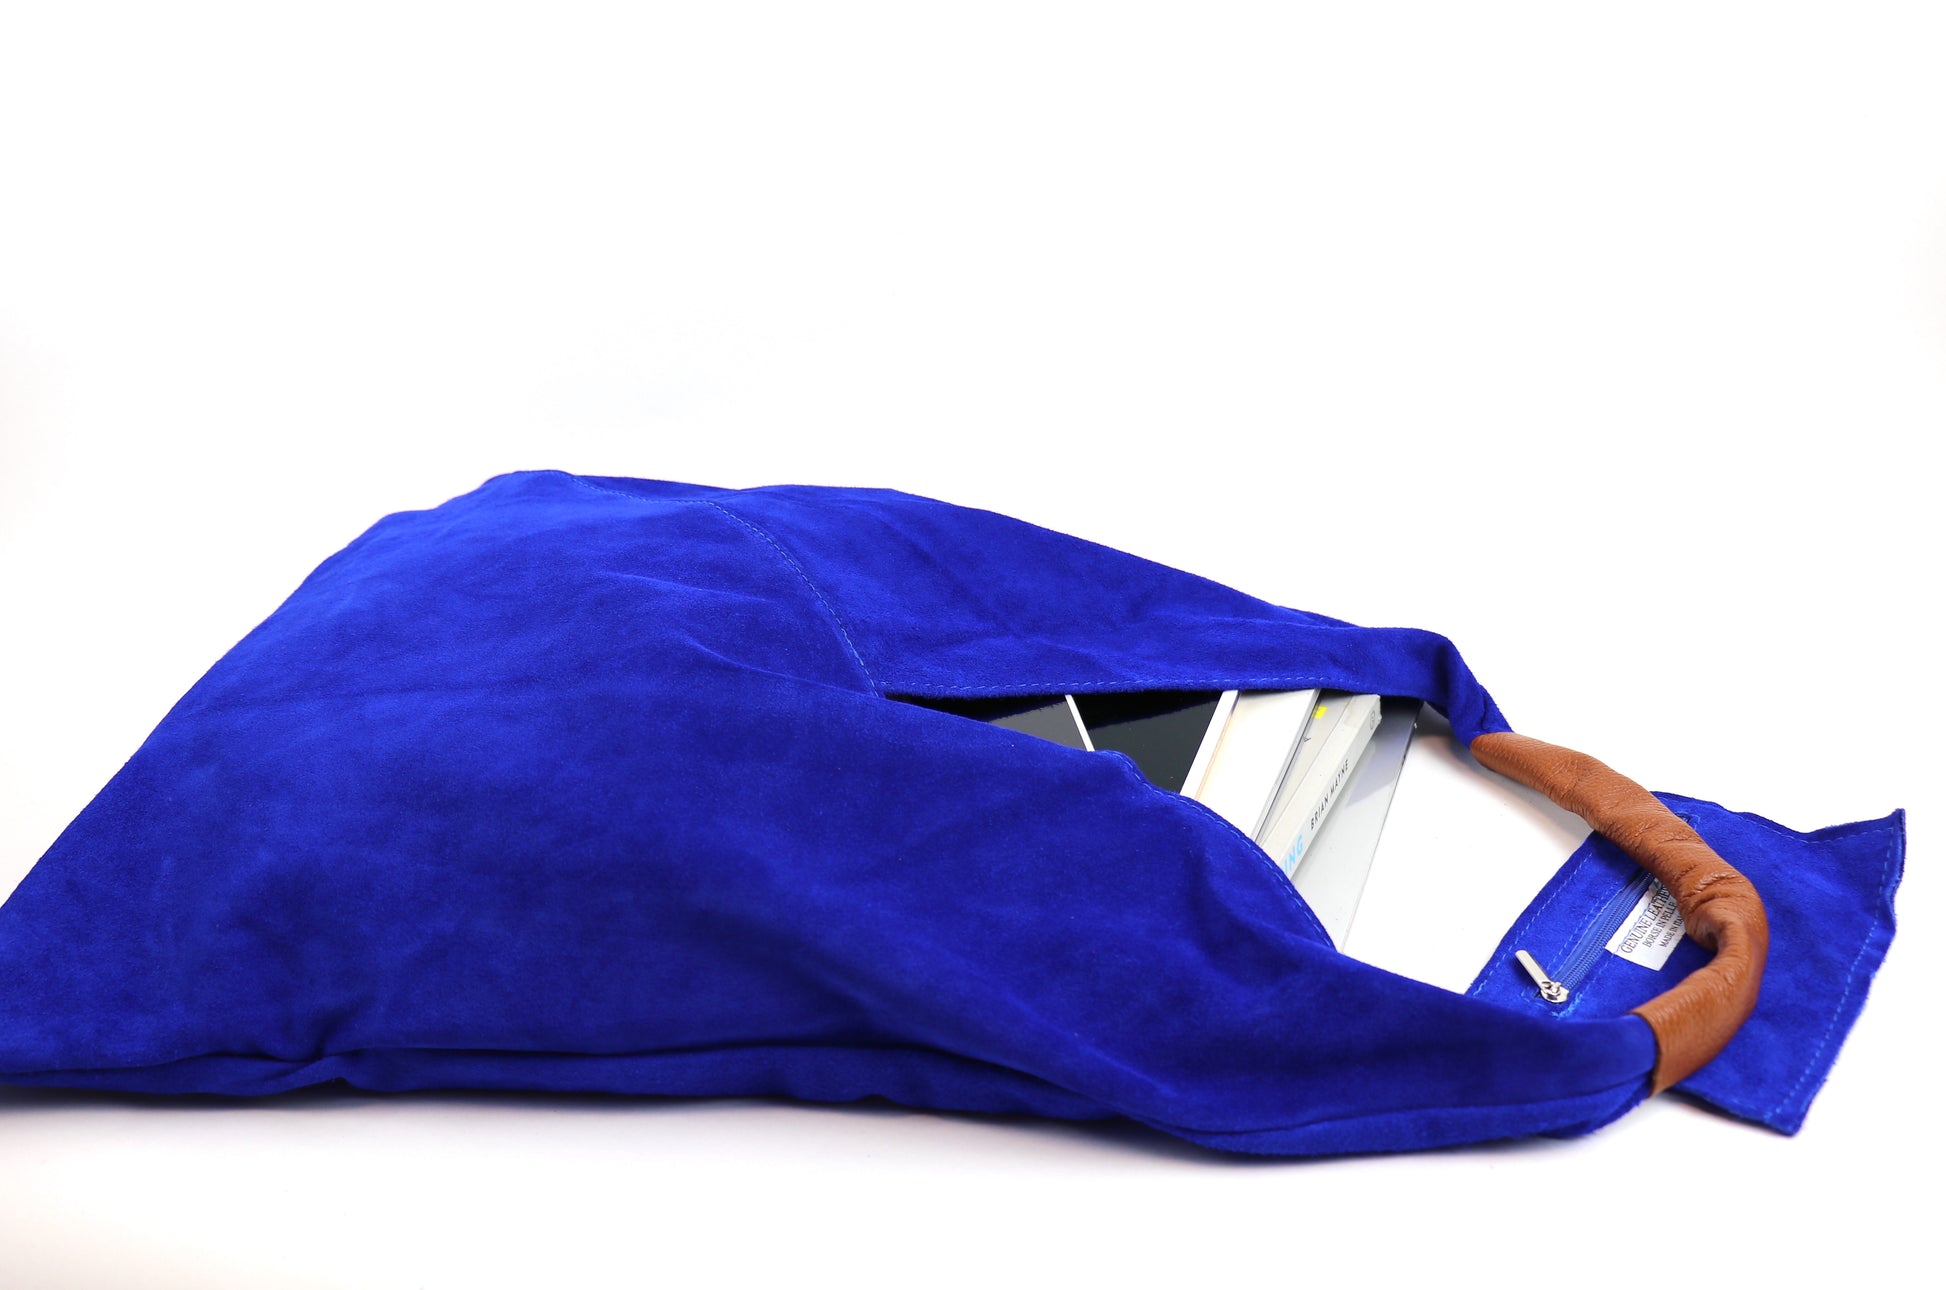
(1617, 338)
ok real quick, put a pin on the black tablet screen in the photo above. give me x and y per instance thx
(1160, 730)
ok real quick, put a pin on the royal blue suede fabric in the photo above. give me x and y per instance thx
(1829, 898)
(596, 784)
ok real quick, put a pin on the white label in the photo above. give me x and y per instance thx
(1651, 931)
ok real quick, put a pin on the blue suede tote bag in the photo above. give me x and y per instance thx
(602, 784)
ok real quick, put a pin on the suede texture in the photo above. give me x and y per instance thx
(1829, 898)
(595, 784)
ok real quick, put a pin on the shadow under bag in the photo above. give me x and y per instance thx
(595, 784)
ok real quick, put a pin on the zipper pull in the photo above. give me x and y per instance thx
(1551, 990)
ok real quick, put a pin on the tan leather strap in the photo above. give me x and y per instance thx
(1695, 1018)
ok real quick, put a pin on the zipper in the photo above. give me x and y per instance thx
(1551, 990)
(1557, 988)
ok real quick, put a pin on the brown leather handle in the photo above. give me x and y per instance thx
(1695, 1018)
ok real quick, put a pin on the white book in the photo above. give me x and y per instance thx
(1324, 719)
(1254, 752)
(1318, 787)
(1332, 875)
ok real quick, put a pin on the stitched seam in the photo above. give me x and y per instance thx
(616, 492)
(1221, 681)
(1854, 829)
(1851, 979)
(836, 622)
(1851, 975)
(1339, 1120)
(1799, 837)
(1228, 681)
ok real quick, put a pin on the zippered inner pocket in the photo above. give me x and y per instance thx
(1558, 987)
(1643, 907)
